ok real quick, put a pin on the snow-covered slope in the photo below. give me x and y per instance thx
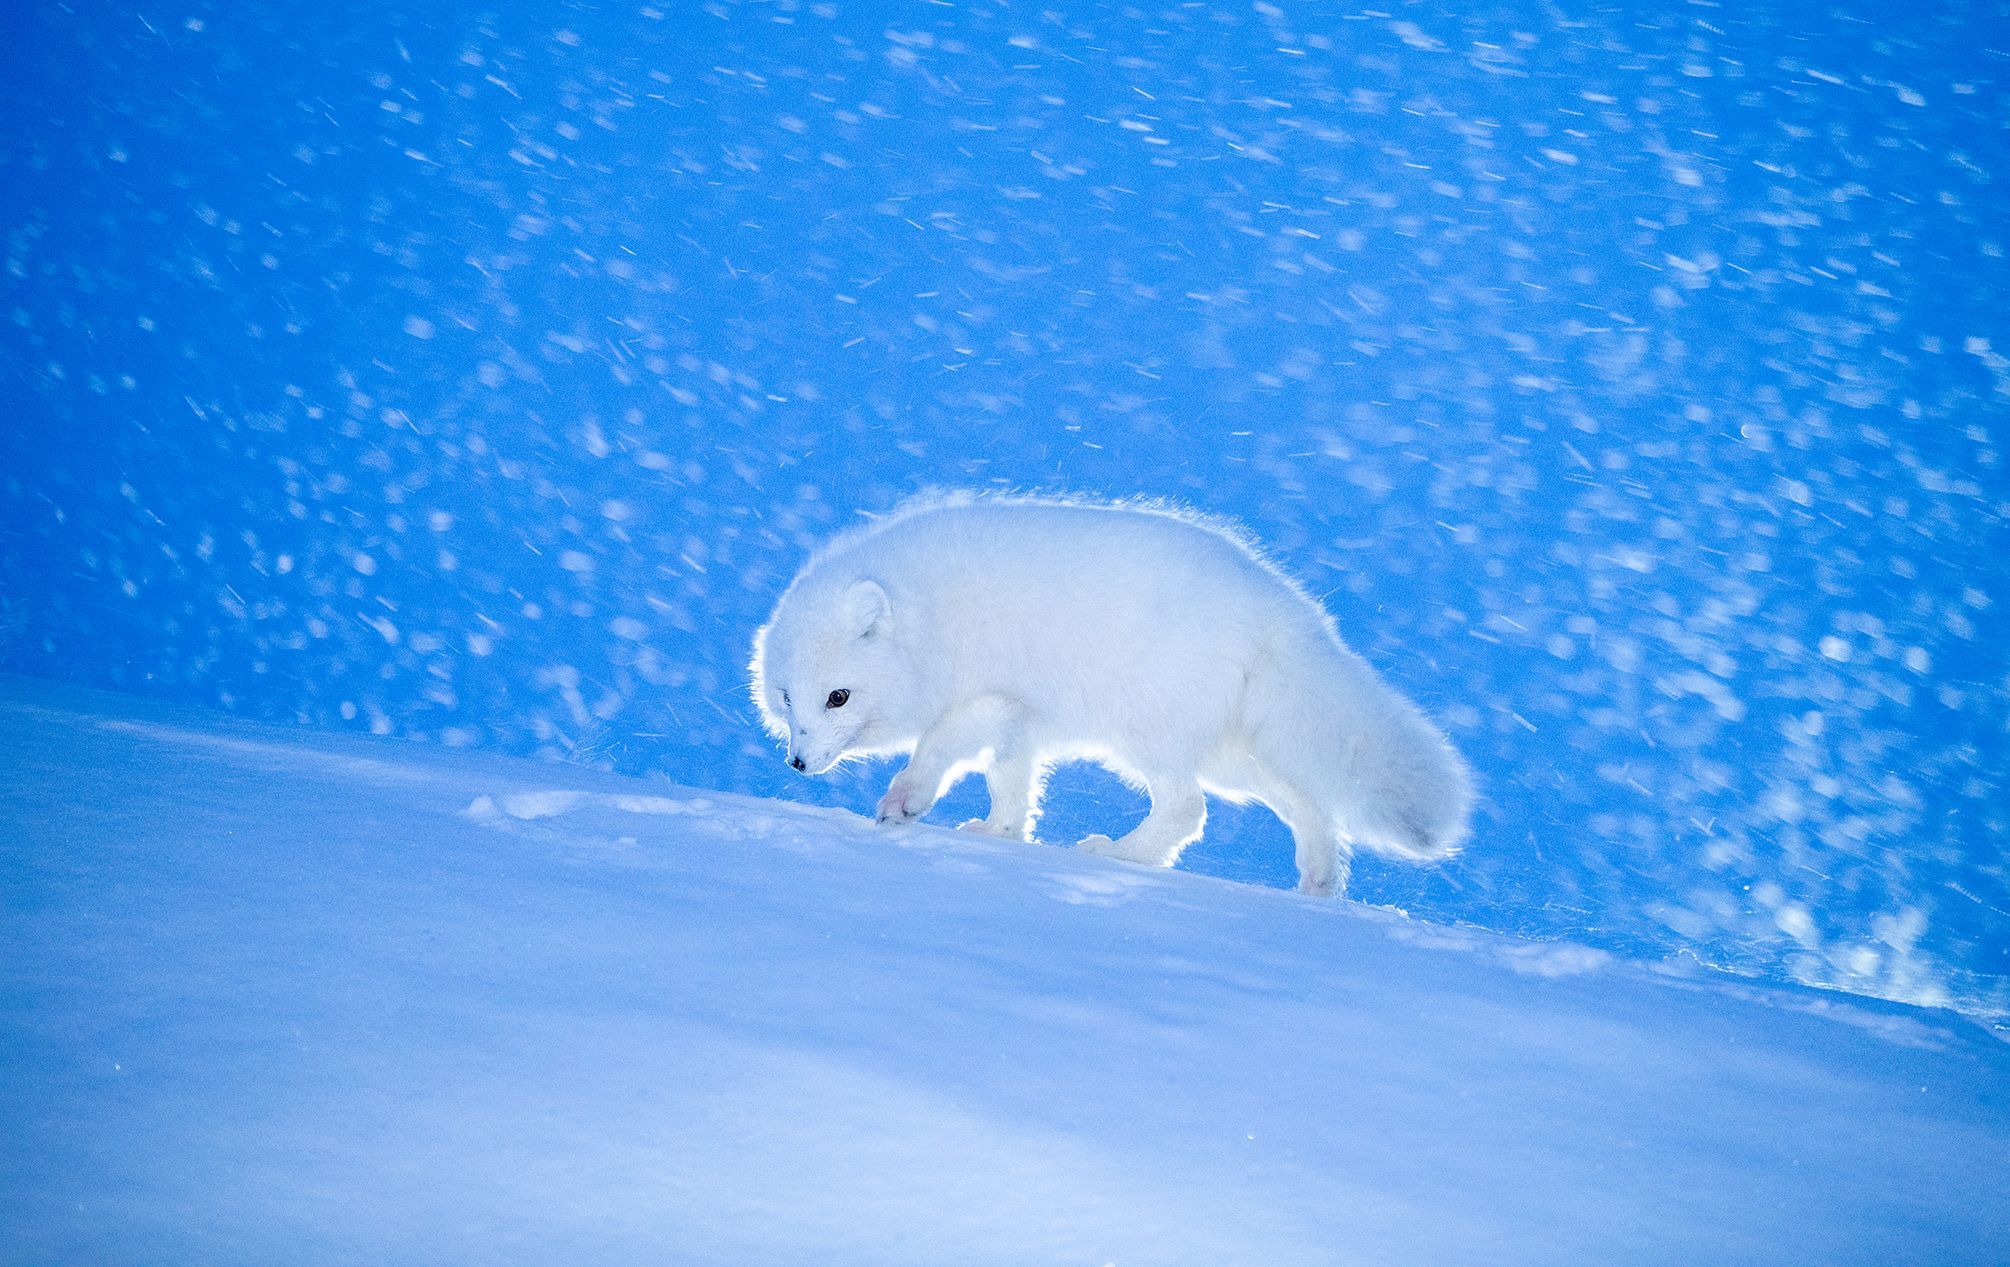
(277, 997)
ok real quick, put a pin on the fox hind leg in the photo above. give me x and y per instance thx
(1177, 817)
(1324, 856)
(1324, 864)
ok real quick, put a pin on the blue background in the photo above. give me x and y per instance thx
(1630, 381)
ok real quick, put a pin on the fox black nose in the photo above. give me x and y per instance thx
(797, 762)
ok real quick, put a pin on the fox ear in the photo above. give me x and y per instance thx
(867, 610)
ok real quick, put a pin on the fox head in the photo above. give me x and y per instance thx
(829, 675)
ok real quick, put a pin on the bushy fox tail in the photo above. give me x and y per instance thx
(1325, 723)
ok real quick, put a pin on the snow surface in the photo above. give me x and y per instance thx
(273, 996)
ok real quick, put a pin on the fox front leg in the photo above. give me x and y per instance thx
(1013, 783)
(959, 739)
(906, 799)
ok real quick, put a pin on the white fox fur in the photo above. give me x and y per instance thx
(1006, 634)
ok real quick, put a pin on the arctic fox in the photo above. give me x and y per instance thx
(1006, 634)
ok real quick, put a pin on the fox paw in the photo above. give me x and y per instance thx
(1125, 851)
(985, 827)
(901, 805)
(1332, 884)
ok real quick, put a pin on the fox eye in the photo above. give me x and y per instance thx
(837, 699)
(786, 700)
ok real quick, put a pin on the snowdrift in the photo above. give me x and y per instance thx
(275, 996)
